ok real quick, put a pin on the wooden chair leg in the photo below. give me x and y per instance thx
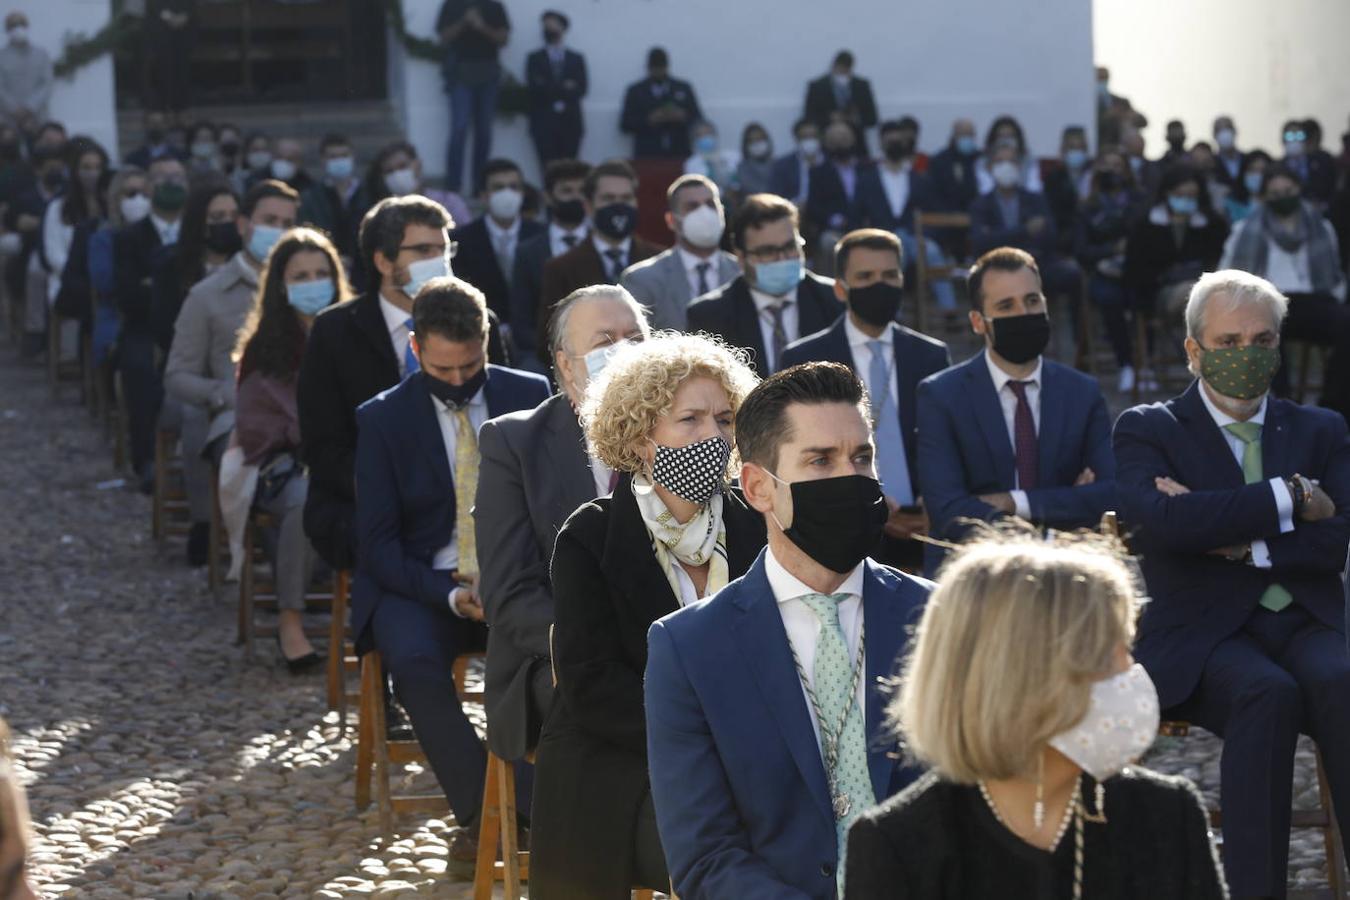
(1331, 835)
(379, 739)
(489, 831)
(506, 804)
(337, 635)
(372, 695)
(246, 591)
(217, 530)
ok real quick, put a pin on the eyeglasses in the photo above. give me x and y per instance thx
(770, 254)
(427, 251)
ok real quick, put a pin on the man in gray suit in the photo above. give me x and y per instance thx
(534, 473)
(669, 281)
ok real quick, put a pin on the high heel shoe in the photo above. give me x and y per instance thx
(300, 664)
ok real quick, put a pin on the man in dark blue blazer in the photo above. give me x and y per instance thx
(832, 201)
(414, 597)
(557, 81)
(1239, 505)
(790, 177)
(766, 731)
(890, 360)
(1009, 432)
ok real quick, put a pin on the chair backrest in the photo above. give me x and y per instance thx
(927, 222)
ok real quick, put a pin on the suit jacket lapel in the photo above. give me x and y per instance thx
(1218, 455)
(576, 483)
(812, 313)
(761, 635)
(1275, 440)
(427, 427)
(745, 323)
(727, 268)
(883, 618)
(835, 348)
(629, 555)
(989, 415)
(1051, 433)
(906, 388)
(366, 311)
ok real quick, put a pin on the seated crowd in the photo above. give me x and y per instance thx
(688, 498)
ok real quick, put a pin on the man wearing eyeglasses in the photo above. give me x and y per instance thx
(776, 300)
(360, 348)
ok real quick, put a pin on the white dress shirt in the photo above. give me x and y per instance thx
(168, 231)
(862, 358)
(896, 186)
(763, 302)
(691, 264)
(1008, 400)
(396, 320)
(557, 237)
(447, 557)
(803, 627)
(504, 242)
(602, 249)
(1283, 501)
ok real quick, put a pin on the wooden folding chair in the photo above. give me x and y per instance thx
(58, 370)
(925, 272)
(257, 588)
(342, 658)
(169, 504)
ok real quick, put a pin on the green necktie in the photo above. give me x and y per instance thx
(836, 691)
(1276, 597)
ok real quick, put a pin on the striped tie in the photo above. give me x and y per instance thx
(1276, 596)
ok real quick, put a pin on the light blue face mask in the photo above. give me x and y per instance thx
(1252, 182)
(422, 271)
(705, 144)
(1075, 158)
(309, 297)
(262, 240)
(340, 167)
(779, 277)
(965, 145)
(1183, 206)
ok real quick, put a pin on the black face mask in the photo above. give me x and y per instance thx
(1020, 339)
(1177, 143)
(876, 304)
(169, 196)
(54, 180)
(552, 36)
(898, 149)
(1108, 181)
(1284, 206)
(836, 521)
(229, 148)
(616, 221)
(569, 213)
(841, 154)
(457, 395)
(223, 237)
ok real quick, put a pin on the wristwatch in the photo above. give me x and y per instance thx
(1301, 492)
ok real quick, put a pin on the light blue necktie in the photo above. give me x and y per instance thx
(410, 364)
(891, 462)
(836, 690)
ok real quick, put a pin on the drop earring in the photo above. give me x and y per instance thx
(1038, 811)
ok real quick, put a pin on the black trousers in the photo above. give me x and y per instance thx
(1321, 319)
(419, 646)
(1284, 674)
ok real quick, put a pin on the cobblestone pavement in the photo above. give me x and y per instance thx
(159, 759)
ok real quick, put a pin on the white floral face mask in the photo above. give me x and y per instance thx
(1121, 723)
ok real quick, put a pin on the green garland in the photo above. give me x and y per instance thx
(80, 51)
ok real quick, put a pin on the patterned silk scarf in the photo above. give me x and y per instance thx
(703, 539)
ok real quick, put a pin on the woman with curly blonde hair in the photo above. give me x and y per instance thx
(674, 531)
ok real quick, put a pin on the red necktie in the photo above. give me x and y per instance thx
(1024, 434)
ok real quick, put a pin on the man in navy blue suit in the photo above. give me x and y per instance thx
(766, 734)
(891, 360)
(557, 81)
(1009, 432)
(1239, 504)
(415, 596)
(790, 177)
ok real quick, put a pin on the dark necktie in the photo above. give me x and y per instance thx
(780, 340)
(570, 240)
(615, 257)
(1024, 432)
(702, 269)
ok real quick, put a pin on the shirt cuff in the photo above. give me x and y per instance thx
(1260, 555)
(1021, 504)
(1284, 503)
(451, 600)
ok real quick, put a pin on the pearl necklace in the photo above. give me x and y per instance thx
(1070, 813)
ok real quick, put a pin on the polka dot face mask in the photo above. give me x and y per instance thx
(1243, 373)
(693, 472)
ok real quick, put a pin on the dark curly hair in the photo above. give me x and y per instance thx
(272, 339)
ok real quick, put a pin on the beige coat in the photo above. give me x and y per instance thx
(199, 371)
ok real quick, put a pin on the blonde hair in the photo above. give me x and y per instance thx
(1011, 640)
(637, 388)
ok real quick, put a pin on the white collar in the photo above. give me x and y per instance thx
(905, 168)
(858, 338)
(246, 271)
(395, 319)
(497, 232)
(764, 301)
(692, 262)
(1001, 377)
(1222, 418)
(162, 226)
(557, 232)
(786, 586)
(602, 248)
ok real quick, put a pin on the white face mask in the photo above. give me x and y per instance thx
(401, 181)
(758, 149)
(809, 147)
(505, 203)
(18, 34)
(1006, 173)
(284, 169)
(703, 227)
(1121, 723)
(422, 271)
(135, 208)
(598, 358)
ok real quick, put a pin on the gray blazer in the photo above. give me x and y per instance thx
(533, 474)
(200, 371)
(661, 284)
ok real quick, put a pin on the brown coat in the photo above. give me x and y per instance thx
(577, 268)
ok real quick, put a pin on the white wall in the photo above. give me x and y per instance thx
(85, 102)
(1262, 63)
(751, 59)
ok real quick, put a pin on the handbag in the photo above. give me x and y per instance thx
(274, 475)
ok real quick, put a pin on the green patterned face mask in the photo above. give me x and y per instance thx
(1243, 373)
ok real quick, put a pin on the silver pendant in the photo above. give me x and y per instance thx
(842, 804)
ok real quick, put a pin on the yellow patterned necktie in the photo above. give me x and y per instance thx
(466, 487)
(1276, 597)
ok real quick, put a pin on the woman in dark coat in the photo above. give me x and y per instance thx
(660, 415)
